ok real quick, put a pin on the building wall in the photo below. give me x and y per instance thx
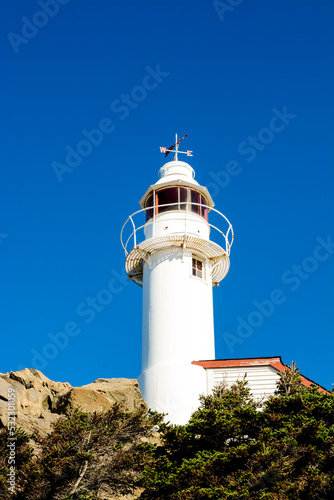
(261, 379)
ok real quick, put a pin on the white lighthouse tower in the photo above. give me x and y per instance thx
(170, 254)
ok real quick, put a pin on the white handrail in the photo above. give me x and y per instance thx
(153, 220)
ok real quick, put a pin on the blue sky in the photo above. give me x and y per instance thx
(251, 83)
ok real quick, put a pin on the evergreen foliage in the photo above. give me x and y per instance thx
(231, 448)
(290, 381)
(83, 453)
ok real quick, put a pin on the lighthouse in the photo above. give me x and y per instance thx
(177, 249)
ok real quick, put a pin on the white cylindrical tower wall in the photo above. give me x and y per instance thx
(177, 329)
(177, 222)
(177, 309)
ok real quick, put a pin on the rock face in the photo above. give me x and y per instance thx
(39, 401)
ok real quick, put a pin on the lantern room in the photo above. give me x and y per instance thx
(175, 214)
(176, 197)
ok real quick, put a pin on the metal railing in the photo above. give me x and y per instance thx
(228, 236)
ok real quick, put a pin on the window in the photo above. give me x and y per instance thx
(197, 202)
(165, 196)
(204, 210)
(176, 198)
(183, 198)
(195, 198)
(149, 203)
(197, 267)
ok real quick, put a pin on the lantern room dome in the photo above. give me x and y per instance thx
(177, 173)
(176, 167)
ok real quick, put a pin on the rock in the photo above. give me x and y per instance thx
(124, 391)
(32, 378)
(85, 399)
(39, 401)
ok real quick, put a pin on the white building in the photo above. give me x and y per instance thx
(262, 374)
(177, 248)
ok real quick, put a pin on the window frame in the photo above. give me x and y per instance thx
(202, 271)
(187, 205)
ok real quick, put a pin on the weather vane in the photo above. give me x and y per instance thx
(176, 146)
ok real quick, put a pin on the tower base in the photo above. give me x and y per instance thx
(173, 389)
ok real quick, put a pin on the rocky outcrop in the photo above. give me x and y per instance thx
(39, 401)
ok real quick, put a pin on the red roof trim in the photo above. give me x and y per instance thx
(275, 362)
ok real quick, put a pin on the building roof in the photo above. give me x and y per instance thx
(276, 362)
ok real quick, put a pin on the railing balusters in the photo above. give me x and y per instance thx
(187, 212)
